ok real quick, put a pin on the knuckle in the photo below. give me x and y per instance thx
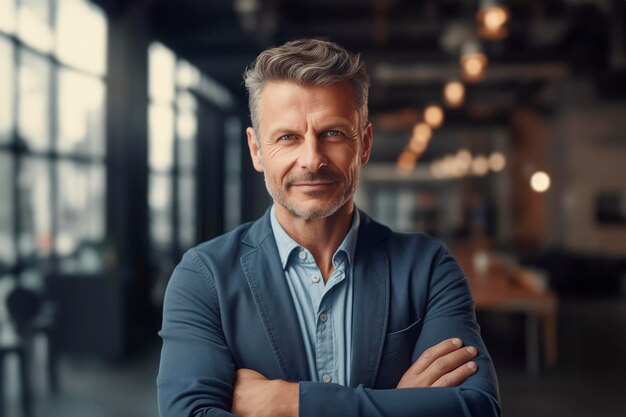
(440, 364)
(446, 380)
(428, 353)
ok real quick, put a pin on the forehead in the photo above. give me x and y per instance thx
(284, 99)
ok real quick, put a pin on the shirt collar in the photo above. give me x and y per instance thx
(286, 245)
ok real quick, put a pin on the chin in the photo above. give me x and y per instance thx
(314, 211)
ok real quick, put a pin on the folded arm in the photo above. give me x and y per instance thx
(444, 380)
(197, 375)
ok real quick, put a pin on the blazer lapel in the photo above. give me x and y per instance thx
(262, 268)
(371, 305)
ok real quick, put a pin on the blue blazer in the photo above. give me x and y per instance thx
(228, 306)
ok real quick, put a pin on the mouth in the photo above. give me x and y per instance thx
(314, 186)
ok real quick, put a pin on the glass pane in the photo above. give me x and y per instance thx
(80, 206)
(35, 233)
(33, 23)
(187, 211)
(161, 69)
(7, 16)
(7, 244)
(161, 131)
(7, 83)
(34, 106)
(187, 76)
(160, 200)
(81, 114)
(186, 128)
(81, 35)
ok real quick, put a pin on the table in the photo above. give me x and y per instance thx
(505, 287)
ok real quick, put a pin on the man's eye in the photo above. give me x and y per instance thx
(287, 137)
(333, 133)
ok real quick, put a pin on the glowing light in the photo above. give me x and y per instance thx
(473, 65)
(480, 166)
(433, 115)
(463, 161)
(497, 162)
(495, 17)
(406, 162)
(492, 22)
(436, 170)
(420, 138)
(454, 93)
(540, 182)
(422, 132)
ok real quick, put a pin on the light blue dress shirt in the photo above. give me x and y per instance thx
(324, 311)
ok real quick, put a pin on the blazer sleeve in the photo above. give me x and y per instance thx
(450, 313)
(196, 372)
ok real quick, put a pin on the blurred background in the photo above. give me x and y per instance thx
(500, 128)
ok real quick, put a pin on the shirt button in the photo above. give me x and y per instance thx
(302, 255)
(315, 278)
(326, 378)
(323, 318)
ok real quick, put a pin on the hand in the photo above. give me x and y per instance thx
(256, 396)
(446, 364)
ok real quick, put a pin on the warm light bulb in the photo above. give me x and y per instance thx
(497, 162)
(463, 160)
(494, 18)
(480, 166)
(540, 182)
(406, 162)
(473, 65)
(436, 170)
(454, 93)
(422, 132)
(492, 22)
(433, 115)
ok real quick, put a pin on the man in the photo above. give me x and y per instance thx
(315, 309)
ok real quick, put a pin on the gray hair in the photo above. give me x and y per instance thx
(308, 62)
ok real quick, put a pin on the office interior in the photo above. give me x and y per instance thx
(499, 128)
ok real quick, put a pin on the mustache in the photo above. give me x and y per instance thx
(324, 175)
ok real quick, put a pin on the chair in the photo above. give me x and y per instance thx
(30, 315)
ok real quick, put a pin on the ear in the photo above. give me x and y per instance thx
(255, 150)
(368, 137)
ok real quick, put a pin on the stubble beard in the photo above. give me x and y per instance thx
(327, 209)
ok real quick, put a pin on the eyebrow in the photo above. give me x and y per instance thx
(336, 123)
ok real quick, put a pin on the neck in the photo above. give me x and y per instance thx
(320, 236)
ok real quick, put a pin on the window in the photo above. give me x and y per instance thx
(52, 132)
(7, 16)
(34, 101)
(7, 82)
(7, 243)
(172, 118)
(81, 114)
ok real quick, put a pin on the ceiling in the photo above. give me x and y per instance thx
(411, 48)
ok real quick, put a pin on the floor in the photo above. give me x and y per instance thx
(588, 380)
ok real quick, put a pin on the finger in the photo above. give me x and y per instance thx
(244, 373)
(448, 363)
(432, 354)
(454, 378)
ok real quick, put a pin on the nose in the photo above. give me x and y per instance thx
(312, 156)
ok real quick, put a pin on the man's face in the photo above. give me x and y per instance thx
(311, 147)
